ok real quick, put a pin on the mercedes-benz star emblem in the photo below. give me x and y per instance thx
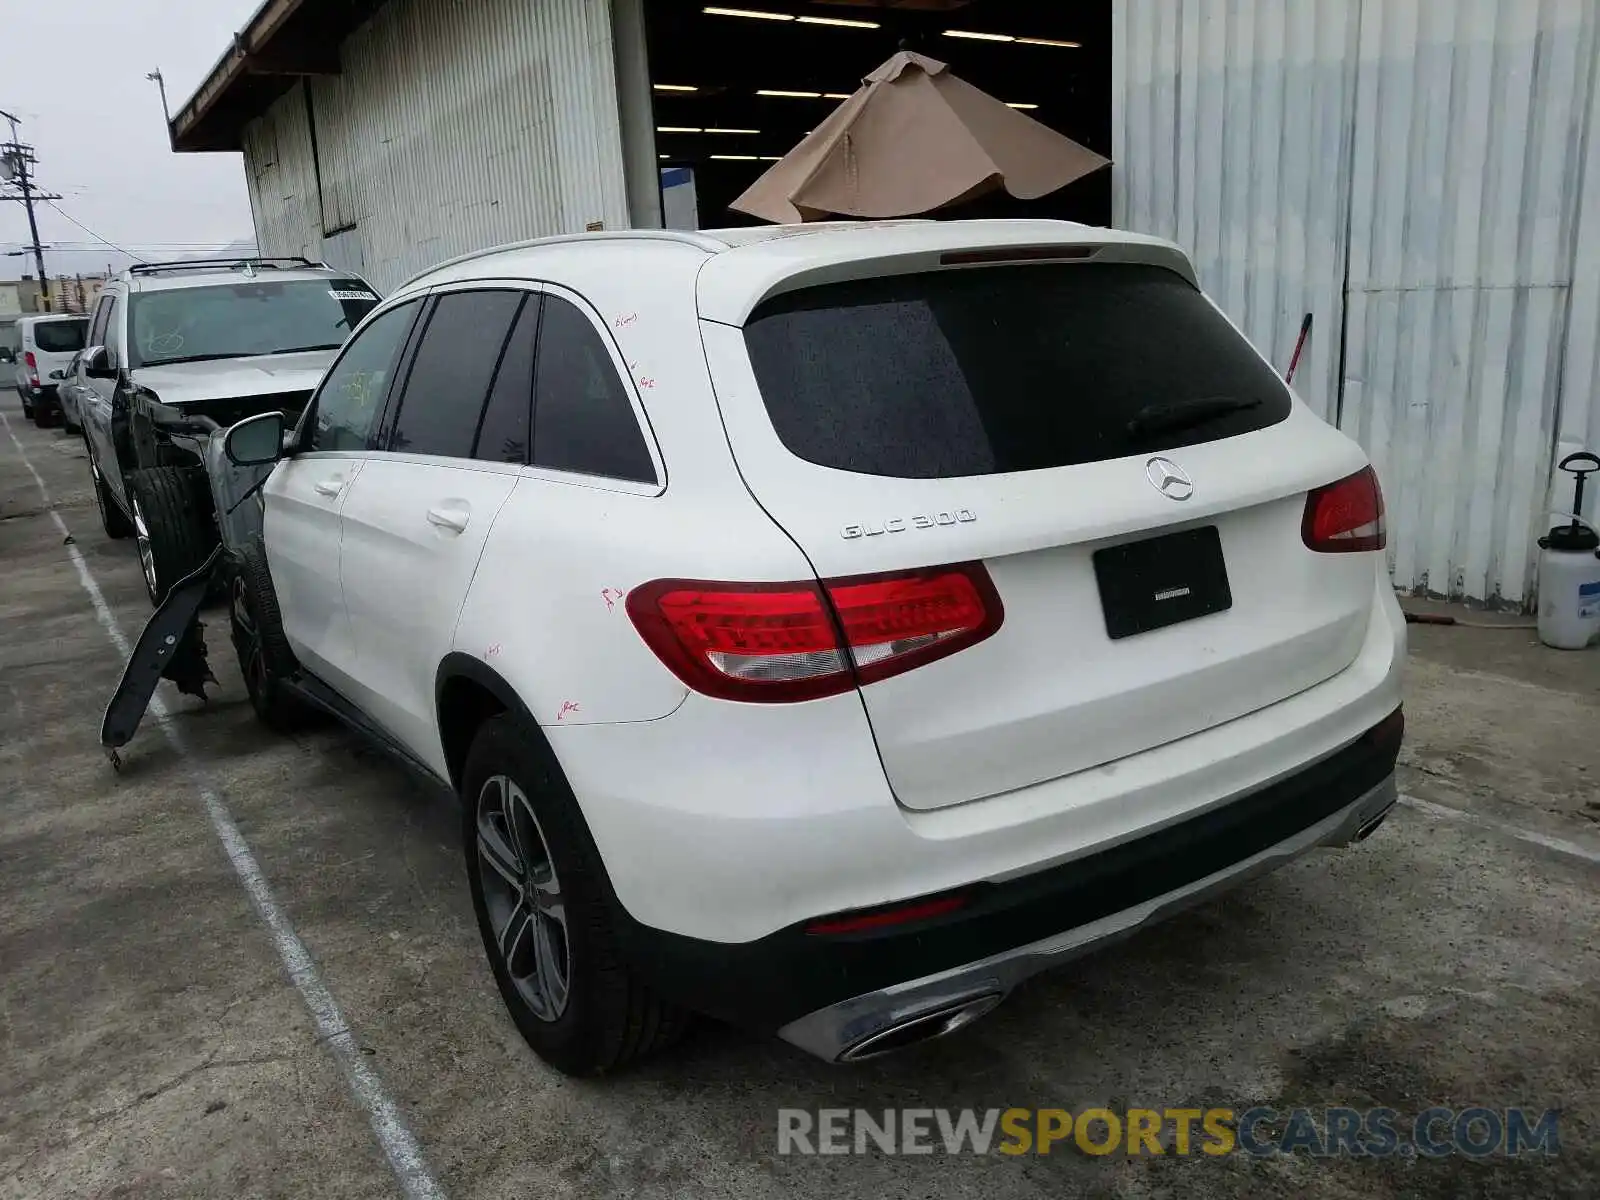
(1168, 478)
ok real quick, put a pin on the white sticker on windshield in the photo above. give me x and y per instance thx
(351, 295)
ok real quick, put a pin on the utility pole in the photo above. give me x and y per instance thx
(15, 161)
(156, 78)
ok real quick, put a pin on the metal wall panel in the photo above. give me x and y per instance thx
(1448, 143)
(1231, 133)
(455, 124)
(1466, 177)
(281, 178)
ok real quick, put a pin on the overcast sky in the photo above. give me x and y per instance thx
(75, 73)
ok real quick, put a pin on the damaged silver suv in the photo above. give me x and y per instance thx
(179, 350)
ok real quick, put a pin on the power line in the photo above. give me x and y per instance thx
(91, 232)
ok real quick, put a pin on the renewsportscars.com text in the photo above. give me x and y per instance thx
(1329, 1132)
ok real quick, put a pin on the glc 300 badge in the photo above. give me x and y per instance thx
(958, 516)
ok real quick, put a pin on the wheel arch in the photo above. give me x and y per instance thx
(467, 692)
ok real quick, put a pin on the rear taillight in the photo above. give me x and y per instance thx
(33, 368)
(1345, 516)
(782, 642)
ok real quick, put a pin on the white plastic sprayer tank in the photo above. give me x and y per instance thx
(1569, 570)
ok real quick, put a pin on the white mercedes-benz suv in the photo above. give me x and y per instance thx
(828, 627)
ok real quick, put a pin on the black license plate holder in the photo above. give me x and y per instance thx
(1160, 581)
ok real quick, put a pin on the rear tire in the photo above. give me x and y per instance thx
(172, 522)
(112, 519)
(27, 405)
(546, 912)
(265, 660)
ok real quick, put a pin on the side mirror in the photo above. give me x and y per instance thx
(255, 441)
(58, 374)
(97, 364)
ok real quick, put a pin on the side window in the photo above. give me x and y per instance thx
(97, 327)
(449, 379)
(113, 335)
(582, 419)
(503, 431)
(352, 394)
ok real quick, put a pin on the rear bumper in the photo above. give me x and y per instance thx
(833, 995)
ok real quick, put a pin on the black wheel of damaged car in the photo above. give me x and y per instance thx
(171, 510)
(265, 660)
(27, 405)
(545, 911)
(112, 519)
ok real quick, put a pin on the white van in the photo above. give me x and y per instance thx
(47, 344)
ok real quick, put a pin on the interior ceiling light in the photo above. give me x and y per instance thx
(836, 95)
(735, 157)
(675, 87)
(976, 36)
(1010, 105)
(848, 24)
(782, 92)
(677, 129)
(746, 12)
(771, 157)
(708, 129)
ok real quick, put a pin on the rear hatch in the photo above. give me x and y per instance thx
(55, 341)
(1128, 472)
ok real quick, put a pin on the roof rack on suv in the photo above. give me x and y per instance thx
(288, 261)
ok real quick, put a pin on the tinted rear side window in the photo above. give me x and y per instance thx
(582, 418)
(449, 379)
(60, 337)
(997, 369)
(503, 429)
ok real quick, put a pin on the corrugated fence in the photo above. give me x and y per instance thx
(1414, 175)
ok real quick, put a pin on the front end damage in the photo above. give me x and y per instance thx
(172, 644)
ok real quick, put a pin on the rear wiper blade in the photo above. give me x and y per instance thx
(1164, 417)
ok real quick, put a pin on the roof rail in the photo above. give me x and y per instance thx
(681, 236)
(278, 263)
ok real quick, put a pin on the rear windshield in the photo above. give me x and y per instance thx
(243, 318)
(1007, 368)
(59, 337)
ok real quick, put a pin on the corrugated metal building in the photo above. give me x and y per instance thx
(1412, 174)
(442, 127)
(1425, 179)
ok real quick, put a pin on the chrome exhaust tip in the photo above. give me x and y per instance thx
(1371, 826)
(923, 1027)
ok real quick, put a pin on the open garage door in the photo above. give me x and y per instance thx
(735, 86)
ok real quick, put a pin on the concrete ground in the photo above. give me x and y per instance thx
(153, 1044)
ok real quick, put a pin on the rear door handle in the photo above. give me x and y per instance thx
(328, 487)
(449, 518)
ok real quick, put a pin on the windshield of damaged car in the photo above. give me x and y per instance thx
(245, 318)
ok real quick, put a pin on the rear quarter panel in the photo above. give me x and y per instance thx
(547, 608)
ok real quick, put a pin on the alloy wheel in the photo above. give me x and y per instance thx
(147, 557)
(527, 911)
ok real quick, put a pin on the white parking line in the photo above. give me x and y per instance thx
(1559, 845)
(399, 1146)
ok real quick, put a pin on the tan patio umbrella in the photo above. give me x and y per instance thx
(912, 139)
